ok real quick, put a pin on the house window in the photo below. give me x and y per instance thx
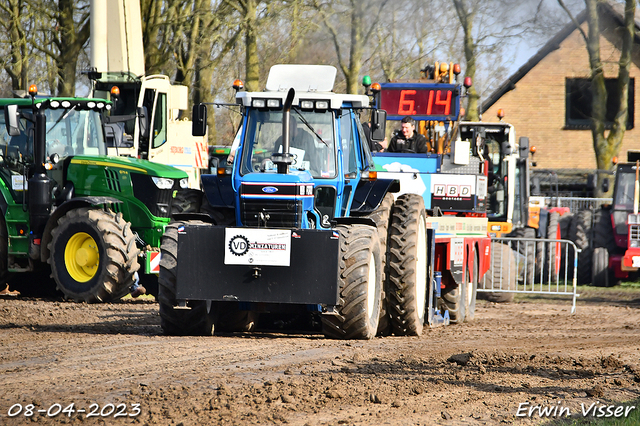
(578, 103)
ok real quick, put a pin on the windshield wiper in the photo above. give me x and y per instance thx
(306, 123)
(62, 117)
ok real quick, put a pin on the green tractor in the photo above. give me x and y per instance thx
(93, 218)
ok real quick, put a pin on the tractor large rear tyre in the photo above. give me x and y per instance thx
(360, 283)
(580, 234)
(604, 244)
(503, 275)
(4, 252)
(93, 255)
(407, 266)
(195, 321)
(381, 216)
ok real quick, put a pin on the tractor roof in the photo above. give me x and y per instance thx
(313, 82)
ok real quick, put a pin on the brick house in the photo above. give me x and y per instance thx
(545, 98)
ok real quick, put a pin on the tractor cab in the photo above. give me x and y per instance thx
(301, 156)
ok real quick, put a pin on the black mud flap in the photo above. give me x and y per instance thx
(206, 269)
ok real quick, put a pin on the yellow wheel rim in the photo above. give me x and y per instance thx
(81, 257)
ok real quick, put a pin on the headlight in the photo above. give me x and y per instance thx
(184, 183)
(634, 243)
(162, 183)
(306, 104)
(258, 103)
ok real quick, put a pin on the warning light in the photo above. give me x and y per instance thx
(614, 160)
(375, 87)
(467, 82)
(33, 90)
(115, 91)
(500, 113)
(456, 69)
(238, 84)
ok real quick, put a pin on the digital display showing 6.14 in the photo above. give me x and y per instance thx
(420, 101)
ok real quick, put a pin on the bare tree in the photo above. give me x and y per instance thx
(607, 146)
(362, 17)
(489, 26)
(16, 21)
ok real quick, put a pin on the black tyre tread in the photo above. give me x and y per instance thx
(403, 265)
(503, 268)
(580, 234)
(527, 249)
(453, 301)
(178, 322)
(357, 243)
(118, 264)
(381, 217)
(602, 276)
(565, 225)
(4, 251)
(545, 252)
(187, 200)
(603, 231)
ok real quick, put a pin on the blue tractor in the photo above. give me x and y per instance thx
(300, 223)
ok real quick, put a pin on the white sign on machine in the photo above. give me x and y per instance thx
(264, 247)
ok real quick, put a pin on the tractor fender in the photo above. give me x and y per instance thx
(61, 210)
(218, 190)
(369, 195)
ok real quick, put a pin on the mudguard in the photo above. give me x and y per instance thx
(370, 193)
(218, 190)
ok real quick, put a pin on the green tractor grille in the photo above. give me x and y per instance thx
(113, 183)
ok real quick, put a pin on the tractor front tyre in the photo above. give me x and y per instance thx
(93, 255)
(407, 266)
(195, 319)
(187, 200)
(360, 285)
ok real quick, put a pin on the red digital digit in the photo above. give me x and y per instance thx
(446, 102)
(406, 106)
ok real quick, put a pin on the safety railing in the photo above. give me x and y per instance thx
(532, 266)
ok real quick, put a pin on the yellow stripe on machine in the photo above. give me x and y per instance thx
(107, 164)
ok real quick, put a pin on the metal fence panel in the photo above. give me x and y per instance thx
(576, 204)
(532, 266)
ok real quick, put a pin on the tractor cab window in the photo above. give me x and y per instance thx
(348, 145)
(74, 132)
(496, 185)
(311, 142)
(160, 121)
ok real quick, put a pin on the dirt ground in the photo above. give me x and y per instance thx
(113, 361)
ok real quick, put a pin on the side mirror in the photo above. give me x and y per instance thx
(523, 147)
(143, 122)
(605, 185)
(11, 120)
(378, 125)
(199, 120)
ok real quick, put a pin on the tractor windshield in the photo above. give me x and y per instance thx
(625, 185)
(312, 142)
(74, 132)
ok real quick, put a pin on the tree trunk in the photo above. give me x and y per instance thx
(252, 65)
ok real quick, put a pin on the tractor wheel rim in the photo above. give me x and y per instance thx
(82, 257)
